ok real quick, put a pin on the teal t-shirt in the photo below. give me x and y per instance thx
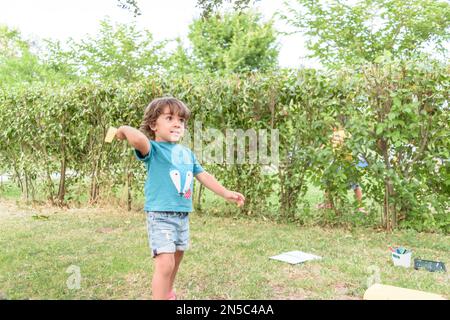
(171, 168)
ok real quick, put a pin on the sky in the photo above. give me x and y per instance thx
(166, 19)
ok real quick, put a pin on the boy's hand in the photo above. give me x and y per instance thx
(110, 134)
(120, 135)
(234, 197)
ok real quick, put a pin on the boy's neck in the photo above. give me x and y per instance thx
(159, 139)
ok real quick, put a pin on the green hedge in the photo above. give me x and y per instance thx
(396, 111)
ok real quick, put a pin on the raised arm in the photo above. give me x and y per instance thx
(136, 138)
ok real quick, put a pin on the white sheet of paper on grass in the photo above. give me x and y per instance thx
(294, 257)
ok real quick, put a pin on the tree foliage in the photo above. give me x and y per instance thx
(130, 5)
(210, 7)
(342, 33)
(119, 51)
(19, 65)
(234, 42)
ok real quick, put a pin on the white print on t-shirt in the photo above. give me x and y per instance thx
(176, 179)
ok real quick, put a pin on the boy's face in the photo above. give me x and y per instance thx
(338, 137)
(169, 127)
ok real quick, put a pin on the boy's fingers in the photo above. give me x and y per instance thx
(238, 198)
(241, 200)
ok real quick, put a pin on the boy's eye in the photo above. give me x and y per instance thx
(182, 120)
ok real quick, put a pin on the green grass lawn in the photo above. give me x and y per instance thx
(228, 259)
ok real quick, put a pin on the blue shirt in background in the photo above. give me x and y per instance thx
(171, 168)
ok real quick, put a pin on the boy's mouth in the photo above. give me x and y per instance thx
(175, 132)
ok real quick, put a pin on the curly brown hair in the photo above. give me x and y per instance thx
(156, 108)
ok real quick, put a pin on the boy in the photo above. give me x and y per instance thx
(337, 142)
(169, 186)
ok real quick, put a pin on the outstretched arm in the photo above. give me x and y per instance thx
(136, 138)
(212, 184)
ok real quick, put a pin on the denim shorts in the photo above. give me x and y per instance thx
(167, 231)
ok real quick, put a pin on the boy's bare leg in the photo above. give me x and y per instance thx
(358, 196)
(178, 258)
(327, 202)
(164, 268)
